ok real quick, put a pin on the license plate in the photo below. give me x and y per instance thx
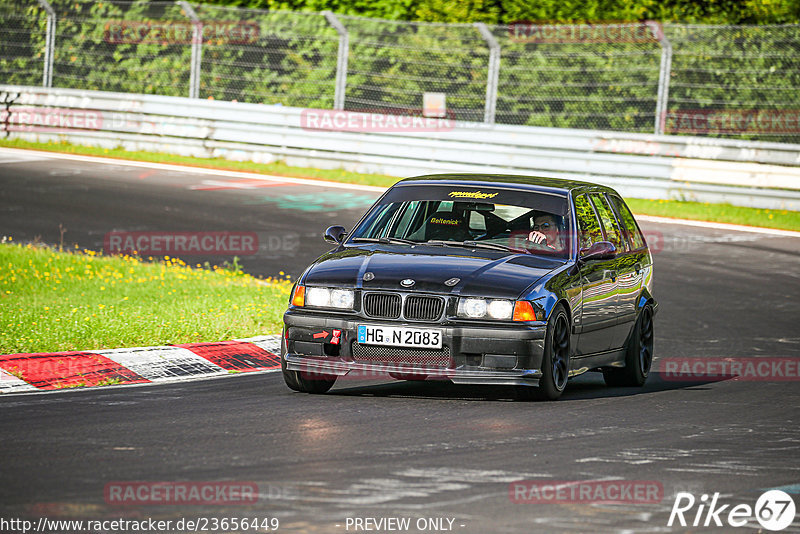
(400, 336)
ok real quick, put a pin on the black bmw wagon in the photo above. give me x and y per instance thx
(478, 279)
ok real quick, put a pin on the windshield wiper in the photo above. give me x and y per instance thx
(496, 246)
(442, 243)
(472, 244)
(384, 240)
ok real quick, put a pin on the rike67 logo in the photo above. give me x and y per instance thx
(774, 510)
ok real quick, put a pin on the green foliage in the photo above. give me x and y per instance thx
(291, 62)
(604, 82)
(391, 65)
(22, 40)
(85, 57)
(508, 11)
(463, 11)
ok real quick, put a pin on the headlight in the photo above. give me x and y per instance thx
(321, 297)
(318, 296)
(500, 309)
(342, 298)
(474, 308)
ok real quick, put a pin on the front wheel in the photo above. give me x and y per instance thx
(555, 360)
(638, 356)
(303, 381)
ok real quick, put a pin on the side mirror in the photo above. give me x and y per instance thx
(335, 234)
(602, 250)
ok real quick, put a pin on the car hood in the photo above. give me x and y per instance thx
(486, 274)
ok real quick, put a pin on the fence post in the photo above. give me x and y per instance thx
(663, 77)
(341, 59)
(493, 74)
(50, 43)
(197, 49)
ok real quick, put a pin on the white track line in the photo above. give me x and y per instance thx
(356, 187)
(718, 226)
(194, 170)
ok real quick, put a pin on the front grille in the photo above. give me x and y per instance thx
(402, 356)
(420, 308)
(385, 305)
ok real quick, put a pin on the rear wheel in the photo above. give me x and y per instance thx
(555, 360)
(638, 356)
(304, 381)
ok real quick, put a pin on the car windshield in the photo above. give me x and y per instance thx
(508, 221)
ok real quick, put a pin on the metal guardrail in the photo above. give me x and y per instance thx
(757, 174)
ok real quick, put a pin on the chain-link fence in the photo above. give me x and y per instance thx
(23, 43)
(730, 81)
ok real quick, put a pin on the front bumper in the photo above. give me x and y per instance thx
(478, 354)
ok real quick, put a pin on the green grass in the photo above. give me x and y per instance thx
(53, 301)
(726, 213)
(278, 168)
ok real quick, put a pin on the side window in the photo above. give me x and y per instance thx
(608, 220)
(401, 228)
(374, 226)
(590, 232)
(635, 237)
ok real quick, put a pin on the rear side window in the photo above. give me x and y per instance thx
(635, 237)
(608, 220)
(590, 232)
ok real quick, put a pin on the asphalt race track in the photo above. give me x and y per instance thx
(400, 449)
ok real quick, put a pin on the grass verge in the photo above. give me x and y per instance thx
(53, 301)
(724, 213)
(277, 168)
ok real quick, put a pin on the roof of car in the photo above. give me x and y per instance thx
(531, 183)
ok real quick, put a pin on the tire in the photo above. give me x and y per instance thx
(303, 381)
(555, 360)
(290, 377)
(638, 355)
